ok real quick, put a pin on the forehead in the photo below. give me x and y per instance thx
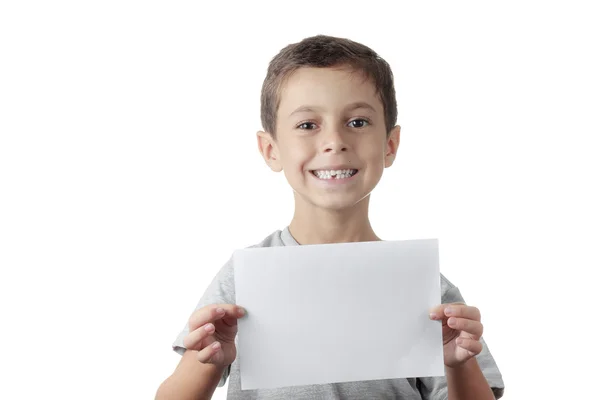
(327, 88)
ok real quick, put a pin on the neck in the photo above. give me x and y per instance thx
(314, 225)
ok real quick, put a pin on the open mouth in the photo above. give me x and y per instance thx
(334, 173)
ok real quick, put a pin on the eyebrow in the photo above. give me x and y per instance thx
(349, 107)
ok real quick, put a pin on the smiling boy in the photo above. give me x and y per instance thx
(328, 110)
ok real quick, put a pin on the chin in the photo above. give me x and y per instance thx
(338, 204)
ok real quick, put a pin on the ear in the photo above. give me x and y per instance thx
(268, 149)
(391, 147)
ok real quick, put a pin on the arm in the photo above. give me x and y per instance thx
(466, 382)
(191, 380)
(461, 331)
(210, 346)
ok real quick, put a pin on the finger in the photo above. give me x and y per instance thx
(212, 313)
(231, 321)
(437, 312)
(473, 346)
(207, 354)
(474, 328)
(462, 311)
(195, 338)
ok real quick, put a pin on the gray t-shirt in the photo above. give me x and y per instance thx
(222, 290)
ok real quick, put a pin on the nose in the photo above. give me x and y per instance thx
(334, 142)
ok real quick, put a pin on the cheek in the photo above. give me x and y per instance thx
(374, 152)
(292, 162)
(296, 156)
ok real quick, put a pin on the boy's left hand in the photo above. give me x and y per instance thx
(461, 331)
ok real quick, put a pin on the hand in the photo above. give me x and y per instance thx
(461, 331)
(212, 333)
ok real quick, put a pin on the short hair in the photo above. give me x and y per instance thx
(324, 51)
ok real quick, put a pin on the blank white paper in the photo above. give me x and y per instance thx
(343, 312)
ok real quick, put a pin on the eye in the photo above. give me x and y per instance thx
(307, 126)
(358, 123)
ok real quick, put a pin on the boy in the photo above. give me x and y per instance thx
(328, 109)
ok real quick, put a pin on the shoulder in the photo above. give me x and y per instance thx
(272, 240)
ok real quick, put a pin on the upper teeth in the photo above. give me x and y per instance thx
(335, 173)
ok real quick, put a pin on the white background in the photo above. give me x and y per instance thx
(129, 173)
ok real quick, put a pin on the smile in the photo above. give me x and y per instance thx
(334, 173)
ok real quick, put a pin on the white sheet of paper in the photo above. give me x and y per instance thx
(338, 313)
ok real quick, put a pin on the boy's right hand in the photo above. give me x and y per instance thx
(212, 333)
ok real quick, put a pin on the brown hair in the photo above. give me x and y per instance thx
(323, 51)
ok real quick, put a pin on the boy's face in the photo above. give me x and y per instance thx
(331, 140)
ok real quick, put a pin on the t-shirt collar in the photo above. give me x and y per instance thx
(287, 238)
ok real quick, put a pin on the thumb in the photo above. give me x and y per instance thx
(230, 319)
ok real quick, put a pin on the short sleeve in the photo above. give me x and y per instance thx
(436, 388)
(220, 291)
